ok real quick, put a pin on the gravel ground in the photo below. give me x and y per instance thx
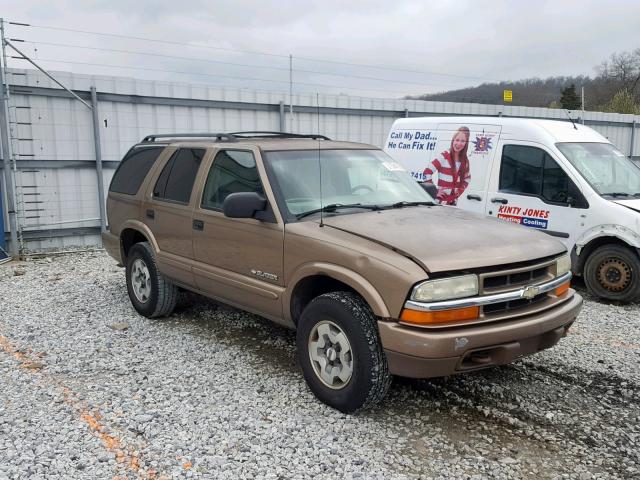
(89, 389)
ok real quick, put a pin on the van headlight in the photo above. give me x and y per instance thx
(445, 289)
(563, 265)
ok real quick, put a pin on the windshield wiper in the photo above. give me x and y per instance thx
(411, 204)
(618, 194)
(332, 207)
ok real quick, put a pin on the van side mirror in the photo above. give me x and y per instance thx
(430, 188)
(243, 204)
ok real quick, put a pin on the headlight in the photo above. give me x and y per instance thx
(563, 265)
(446, 289)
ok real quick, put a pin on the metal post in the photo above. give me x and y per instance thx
(7, 153)
(582, 102)
(406, 113)
(633, 139)
(291, 93)
(96, 142)
(282, 123)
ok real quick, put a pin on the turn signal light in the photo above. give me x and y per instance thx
(417, 317)
(562, 289)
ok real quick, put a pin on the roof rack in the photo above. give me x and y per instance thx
(220, 136)
(234, 136)
(269, 134)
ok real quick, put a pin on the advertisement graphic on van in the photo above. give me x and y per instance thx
(452, 157)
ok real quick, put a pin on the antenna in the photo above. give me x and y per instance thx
(319, 162)
(574, 123)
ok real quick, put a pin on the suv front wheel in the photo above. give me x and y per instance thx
(151, 294)
(340, 352)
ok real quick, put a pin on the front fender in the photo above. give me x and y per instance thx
(342, 274)
(620, 232)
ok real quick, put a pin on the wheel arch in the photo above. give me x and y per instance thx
(135, 232)
(315, 279)
(585, 247)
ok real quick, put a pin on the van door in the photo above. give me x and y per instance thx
(528, 186)
(463, 183)
(238, 260)
(167, 211)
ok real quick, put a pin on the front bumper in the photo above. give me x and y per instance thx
(423, 353)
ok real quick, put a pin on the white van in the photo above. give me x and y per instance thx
(563, 179)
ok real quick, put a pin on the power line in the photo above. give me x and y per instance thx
(128, 67)
(253, 52)
(219, 62)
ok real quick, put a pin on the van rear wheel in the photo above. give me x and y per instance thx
(612, 272)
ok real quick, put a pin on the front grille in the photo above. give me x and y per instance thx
(508, 280)
(502, 307)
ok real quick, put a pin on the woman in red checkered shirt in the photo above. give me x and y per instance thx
(453, 169)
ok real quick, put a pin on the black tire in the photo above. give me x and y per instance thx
(612, 272)
(370, 378)
(163, 294)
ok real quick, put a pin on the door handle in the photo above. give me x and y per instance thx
(474, 197)
(198, 225)
(151, 214)
(501, 200)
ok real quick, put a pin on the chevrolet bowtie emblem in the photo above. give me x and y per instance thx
(530, 292)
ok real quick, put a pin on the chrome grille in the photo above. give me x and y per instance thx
(512, 279)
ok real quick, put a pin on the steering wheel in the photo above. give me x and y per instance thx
(361, 187)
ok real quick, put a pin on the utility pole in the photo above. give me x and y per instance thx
(8, 160)
(290, 93)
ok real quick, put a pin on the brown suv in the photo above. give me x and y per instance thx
(335, 240)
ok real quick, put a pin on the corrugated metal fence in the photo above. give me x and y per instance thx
(54, 150)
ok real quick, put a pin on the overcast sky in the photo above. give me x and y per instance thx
(423, 46)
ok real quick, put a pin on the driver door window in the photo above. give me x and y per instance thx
(531, 171)
(232, 171)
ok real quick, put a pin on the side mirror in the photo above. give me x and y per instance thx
(430, 188)
(243, 204)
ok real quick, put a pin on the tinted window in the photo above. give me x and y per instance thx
(176, 179)
(531, 171)
(231, 172)
(133, 169)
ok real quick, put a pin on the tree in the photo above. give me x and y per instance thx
(569, 98)
(623, 69)
(622, 102)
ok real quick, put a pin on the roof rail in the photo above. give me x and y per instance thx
(219, 136)
(268, 134)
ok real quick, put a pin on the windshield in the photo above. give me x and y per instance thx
(349, 177)
(608, 171)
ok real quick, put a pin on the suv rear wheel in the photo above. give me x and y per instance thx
(151, 294)
(613, 272)
(340, 352)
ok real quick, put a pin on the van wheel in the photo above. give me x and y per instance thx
(613, 272)
(151, 294)
(340, 352)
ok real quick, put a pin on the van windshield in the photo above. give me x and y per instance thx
(608, 171)
(352, 181)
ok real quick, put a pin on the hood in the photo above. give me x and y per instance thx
(446, 238)
(632, 204)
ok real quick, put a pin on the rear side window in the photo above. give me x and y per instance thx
(232, 171)
(133, 169)
(178, 175)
